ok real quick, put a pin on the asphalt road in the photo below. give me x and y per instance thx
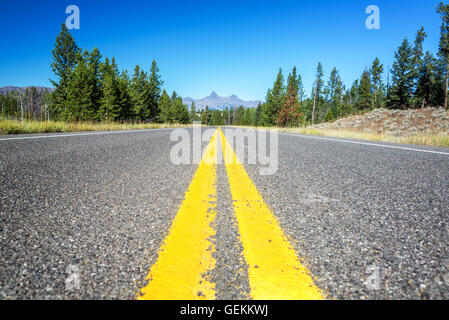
(105, 202)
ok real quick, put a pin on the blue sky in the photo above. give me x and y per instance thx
(232, 47)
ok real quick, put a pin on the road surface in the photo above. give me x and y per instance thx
(109, 216)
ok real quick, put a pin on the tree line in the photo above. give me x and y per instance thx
(239, 116)
(30, 103)
(90, 88)
(417, 79)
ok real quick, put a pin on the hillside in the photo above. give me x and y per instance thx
(396, 123)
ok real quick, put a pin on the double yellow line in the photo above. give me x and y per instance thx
(186, 256)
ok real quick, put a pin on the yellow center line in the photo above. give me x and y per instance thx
(275, 272)
(186, 254)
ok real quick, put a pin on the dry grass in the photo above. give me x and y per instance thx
(16, 127)
(424, 127)
(400, 123)
(435, 140)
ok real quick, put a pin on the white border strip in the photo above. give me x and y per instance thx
(363, 143)
(356, 142)
(85, 134)
(283, 133)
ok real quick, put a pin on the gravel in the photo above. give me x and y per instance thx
(351, 209)
(104, 204)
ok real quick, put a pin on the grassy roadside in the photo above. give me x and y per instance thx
(434, 140)
(15, 127)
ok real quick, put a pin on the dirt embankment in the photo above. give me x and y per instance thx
(428, 121)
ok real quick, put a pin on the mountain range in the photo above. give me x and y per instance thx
(213, 101)
(5, 90)
(216, 102)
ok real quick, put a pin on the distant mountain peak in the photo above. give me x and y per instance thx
(214, 101)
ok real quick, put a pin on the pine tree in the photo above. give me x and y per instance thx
(443, 53)
(180, 111)
(109, 109)
(354, 96)
(376, 72)
(257, 119)
(317, 89)
(65, 58)
(125, 100)
(172, 111)
(418, 56)
(402, 74)
(205, 117)
(248, 117)
(240, 116)
(109, 104)
(80, 93)
(217, 118)
(365, 95)
(289, 114)
(148, 94)
(300, 89)
(233, 115)
(193, 116)
(426, 80)
(226, 116)
(138, 87)
(94, 66)
(439, 85)
(335, 89)
(346, 107)
(164, 107)
(274, 101)
(153, 92)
